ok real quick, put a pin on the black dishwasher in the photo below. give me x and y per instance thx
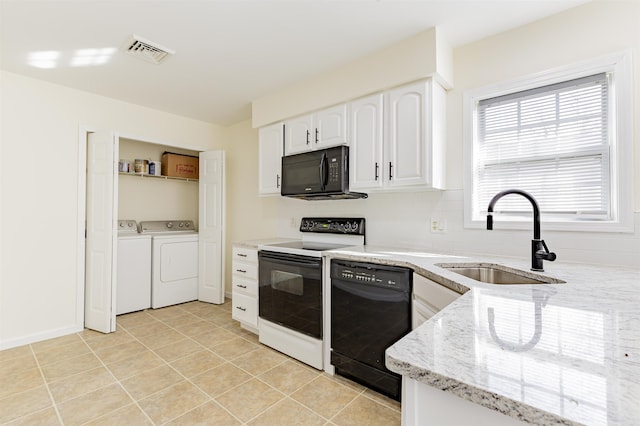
(370, 310)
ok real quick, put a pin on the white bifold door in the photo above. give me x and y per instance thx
(101, 232)
(211, 227)
(101, 236)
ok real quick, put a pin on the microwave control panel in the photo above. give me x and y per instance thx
(334, 170)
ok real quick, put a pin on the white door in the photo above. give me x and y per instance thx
(270, 141)
(330, 127)
(408, 135)
(365, 153)
(299, 134)
(101, 237)
(211, 219)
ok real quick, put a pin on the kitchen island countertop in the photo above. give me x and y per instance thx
(545, 354)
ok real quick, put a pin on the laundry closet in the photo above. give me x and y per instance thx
(168, 238)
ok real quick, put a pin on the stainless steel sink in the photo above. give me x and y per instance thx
(497, 274)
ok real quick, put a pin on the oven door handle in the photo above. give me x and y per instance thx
(292, 260)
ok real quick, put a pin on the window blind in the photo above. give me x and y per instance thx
(551, 141)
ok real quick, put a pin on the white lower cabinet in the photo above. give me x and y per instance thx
(429, 298)
(427, 406)
(244, 281)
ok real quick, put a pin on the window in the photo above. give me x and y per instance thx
(562, 138)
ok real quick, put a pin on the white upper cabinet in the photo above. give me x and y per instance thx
(270, 144)
(408, 152)
(315, 131)
(366, 142)
(408, 135)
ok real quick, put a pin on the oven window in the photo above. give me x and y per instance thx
(290, 288)
(287, 282)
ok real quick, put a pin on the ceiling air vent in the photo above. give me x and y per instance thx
(147, 50)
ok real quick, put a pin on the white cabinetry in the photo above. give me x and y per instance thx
(408, 153)
(366, 142)
(315, 131)
(429, 298)
(270, 146)
(245, 286)
(428, 406)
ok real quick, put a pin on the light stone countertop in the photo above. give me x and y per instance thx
(255, 244)
(545, 354)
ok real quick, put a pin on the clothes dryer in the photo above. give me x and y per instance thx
(174, 261)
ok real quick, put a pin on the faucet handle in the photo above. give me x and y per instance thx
(544, 253)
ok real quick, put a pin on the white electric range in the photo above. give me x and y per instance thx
(291, 295)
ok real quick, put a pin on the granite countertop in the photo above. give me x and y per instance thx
(545, 354)
(255, 244)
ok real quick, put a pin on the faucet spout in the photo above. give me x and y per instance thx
(539, 249)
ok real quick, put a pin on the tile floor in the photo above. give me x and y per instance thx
(182, 365)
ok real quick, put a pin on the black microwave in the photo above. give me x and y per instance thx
(318, 175)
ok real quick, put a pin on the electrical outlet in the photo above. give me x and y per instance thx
(438, 225)
(293, 222)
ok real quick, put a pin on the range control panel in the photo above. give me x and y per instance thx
(342, 225)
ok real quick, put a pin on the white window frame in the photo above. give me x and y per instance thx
(621, 144)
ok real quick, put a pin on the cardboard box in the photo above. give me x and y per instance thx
(177, 165)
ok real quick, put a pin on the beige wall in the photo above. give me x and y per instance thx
(423, 55)
(39, 175)
(39, 194)
(402, 219)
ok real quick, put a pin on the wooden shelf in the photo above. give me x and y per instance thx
(145, 175)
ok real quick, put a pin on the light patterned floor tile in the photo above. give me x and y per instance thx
(324, 396)
(288, 412)
(136, 364)
(46, 417)
(365, 411)
(259, 361)
(20, 381)
(62, 352)
(197, 363)
(208, 414)
(289, 376)
(178, 350)
(93, 405)
(151, 354)
(79, 384)
(129, 415)
(24, 403)
(151, 381)
(249, 399)
(220, 379)
(69, 367)
(233, 348)
(173, 402)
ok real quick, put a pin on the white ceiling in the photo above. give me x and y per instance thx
(228, 52)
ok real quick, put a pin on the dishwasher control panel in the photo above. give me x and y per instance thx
(391, 277)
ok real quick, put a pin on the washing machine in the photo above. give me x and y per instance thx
(133, 284)
(174, 261)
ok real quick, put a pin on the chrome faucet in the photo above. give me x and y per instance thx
(539, 249)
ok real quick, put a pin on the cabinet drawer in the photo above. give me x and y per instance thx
(245, 286)
(245, 254)
(245, 309)
(245, 270)
(435, 295)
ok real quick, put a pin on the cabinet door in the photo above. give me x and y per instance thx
(270, 140)
(330, 127)
(409, 141)
(365, 153)
(299, 134)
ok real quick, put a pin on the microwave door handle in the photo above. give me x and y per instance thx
(323, 171)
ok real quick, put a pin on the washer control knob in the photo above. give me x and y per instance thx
(169, 224)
